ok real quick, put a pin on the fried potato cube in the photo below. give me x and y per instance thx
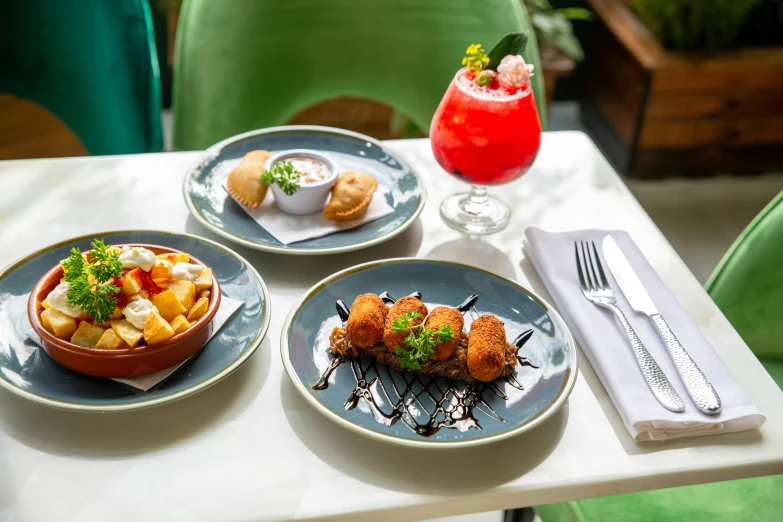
(180, 324)
(116, 314)
(168, 305)
(59, 324)
(185, 292)
(157, 329)
(127, 332)
(203, 294)
(175, 257)
(131, 283)
(204, 280)
(198, 309)
(45, 304)
(87, 335)
(161, 270)
(109, 341)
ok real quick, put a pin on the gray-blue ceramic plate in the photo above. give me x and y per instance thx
(209, 203)
(29, 372)
(403, 408)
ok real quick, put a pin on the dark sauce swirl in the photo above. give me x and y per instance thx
(401, 396)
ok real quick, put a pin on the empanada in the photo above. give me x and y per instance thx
(351, 195)
(244, 182)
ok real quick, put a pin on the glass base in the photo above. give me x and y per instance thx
(475, 213)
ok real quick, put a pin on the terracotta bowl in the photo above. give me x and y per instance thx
(121, 363)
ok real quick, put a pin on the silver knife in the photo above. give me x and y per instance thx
(699, 387)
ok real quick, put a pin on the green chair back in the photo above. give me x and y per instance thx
(747, 285)
(248, 64)
(92, 63)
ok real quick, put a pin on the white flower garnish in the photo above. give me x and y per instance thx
(513, 72)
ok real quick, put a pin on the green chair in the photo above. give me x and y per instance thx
(747, 285)
(92, 63)
(247, 64)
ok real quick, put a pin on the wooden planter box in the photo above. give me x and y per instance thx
(659, 113)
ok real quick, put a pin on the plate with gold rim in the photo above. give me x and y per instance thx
(27, 371)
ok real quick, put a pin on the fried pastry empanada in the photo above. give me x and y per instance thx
(351, 195)
(244, 182)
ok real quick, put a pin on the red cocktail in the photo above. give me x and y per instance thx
(485, 135)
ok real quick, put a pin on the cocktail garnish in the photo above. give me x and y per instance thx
(476, 58)
(504, 59)
(512, 44)
(485, 78)
(513, 72)
(284, 175)
(91, 280)
(420, 342)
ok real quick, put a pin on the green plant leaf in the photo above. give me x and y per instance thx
(513, 43)
(576, 13)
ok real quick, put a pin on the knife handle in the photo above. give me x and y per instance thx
(699, 387)
(659, 384)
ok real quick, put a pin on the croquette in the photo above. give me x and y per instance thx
(442, 315)
(399, 308)
(486, 348)
(365, 323)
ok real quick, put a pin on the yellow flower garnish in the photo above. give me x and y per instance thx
(476, 58)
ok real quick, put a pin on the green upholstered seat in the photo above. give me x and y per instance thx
(748, 288)
(748, 283)
(248, 64)
(91, 63)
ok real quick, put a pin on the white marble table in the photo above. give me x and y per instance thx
(250, 448)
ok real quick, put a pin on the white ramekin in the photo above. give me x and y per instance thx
(311, 198)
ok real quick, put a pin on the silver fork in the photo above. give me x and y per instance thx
(596, 289)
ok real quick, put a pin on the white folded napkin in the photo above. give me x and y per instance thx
(290, 228)
(608, 350)
(227, 308)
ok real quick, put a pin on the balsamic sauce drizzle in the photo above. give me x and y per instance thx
(444, 403)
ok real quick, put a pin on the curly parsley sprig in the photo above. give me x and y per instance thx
(284, 175)
(92, 280)
(420, 342)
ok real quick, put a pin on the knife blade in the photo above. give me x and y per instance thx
(627, 279)
(699, 387)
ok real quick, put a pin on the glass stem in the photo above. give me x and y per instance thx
(477, 202)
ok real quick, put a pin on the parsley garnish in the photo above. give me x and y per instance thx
(92, 282)
(420, 341)
(284, 174)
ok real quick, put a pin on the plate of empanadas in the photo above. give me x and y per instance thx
(303, 190)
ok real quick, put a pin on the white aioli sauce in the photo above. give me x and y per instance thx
(137, 311)
(186, 271)
(58, 300)
(138, 257)
(310, 170)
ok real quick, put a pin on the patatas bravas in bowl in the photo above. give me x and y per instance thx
(124, 310)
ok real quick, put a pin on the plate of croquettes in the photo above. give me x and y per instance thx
(428, 353)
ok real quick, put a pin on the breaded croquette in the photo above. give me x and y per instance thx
(442, 315)
(486, 348)
(402, 306)
(365, 323)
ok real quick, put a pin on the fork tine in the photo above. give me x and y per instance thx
(579, 267)
(586, 266)
(598, 264)
(586, 263)
(591, 265)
